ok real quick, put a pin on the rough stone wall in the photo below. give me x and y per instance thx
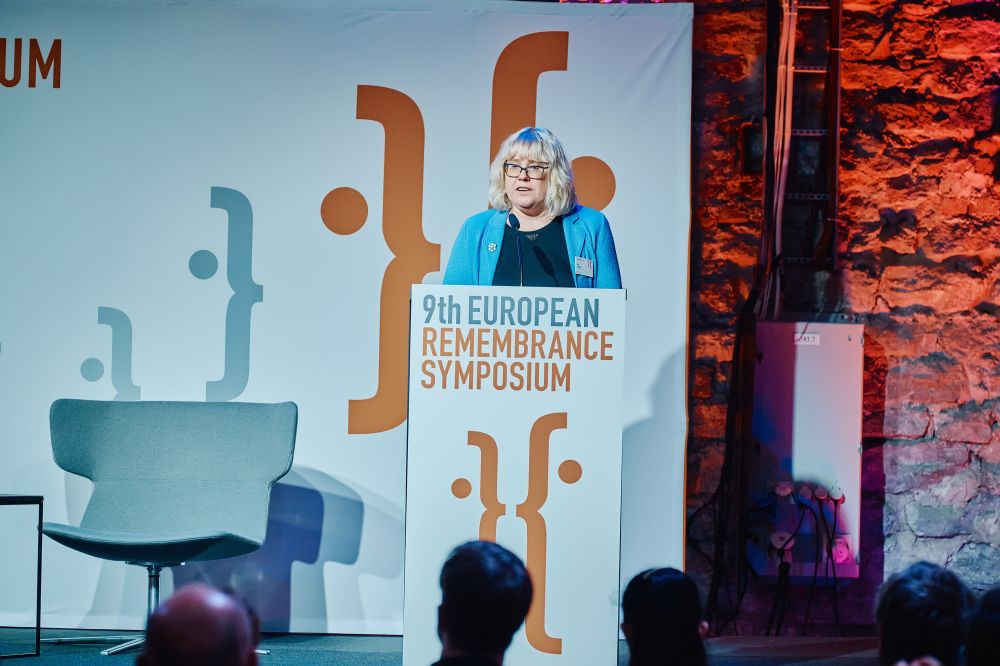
(920, 259)
(726, 214)
(726, 217)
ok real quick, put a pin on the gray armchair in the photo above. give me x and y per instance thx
(174, 482)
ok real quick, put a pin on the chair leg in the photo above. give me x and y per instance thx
(83, 640)
(152, 601)
(153, 596)
(124, 647)
(132, 641)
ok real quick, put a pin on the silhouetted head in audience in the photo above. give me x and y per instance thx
(921, 612)
(485, 595)
(982, 641)
(200, 625)
(661, 619)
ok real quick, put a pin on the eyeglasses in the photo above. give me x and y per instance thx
(535, 171)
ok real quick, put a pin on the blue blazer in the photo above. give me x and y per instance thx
(476, 251)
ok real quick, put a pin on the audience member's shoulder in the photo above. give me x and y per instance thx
(465, 661)
(982, 638)
(921, 613)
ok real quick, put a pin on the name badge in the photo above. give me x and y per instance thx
(584, 267)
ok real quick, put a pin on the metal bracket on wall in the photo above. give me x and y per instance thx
(803, 93)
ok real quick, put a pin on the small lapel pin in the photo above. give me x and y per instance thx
(492, 247)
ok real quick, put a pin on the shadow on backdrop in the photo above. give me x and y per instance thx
(648, 458)
(313, 519)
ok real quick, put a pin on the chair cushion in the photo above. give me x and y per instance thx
(150, 547)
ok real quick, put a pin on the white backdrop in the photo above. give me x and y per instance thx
(125, 199)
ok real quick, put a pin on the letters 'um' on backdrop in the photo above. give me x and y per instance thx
(208, 202)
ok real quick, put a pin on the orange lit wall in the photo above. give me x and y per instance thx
(919, 260)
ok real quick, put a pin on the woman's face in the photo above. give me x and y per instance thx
(526, 192)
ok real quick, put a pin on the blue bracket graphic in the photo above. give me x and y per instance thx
(121, 354)
(246, 293)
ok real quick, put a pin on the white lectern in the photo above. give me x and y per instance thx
(514, 435)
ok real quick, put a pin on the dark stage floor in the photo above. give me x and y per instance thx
(295, 649)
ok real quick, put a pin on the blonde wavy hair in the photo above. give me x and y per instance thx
(535, 144)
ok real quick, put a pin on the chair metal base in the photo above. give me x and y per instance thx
(131, 642)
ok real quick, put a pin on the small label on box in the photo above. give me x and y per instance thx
(811, 339)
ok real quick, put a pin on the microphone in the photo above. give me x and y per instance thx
(516, 226)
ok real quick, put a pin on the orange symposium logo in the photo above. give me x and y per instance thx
(529, 511)
(344, 210)
(37, 64)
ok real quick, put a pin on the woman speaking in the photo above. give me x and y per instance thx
(535, 234)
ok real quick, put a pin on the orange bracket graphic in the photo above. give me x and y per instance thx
(413, 255)
(528, 511)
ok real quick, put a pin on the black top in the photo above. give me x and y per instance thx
(543, 253)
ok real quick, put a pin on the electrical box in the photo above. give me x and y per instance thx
(804, 468)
